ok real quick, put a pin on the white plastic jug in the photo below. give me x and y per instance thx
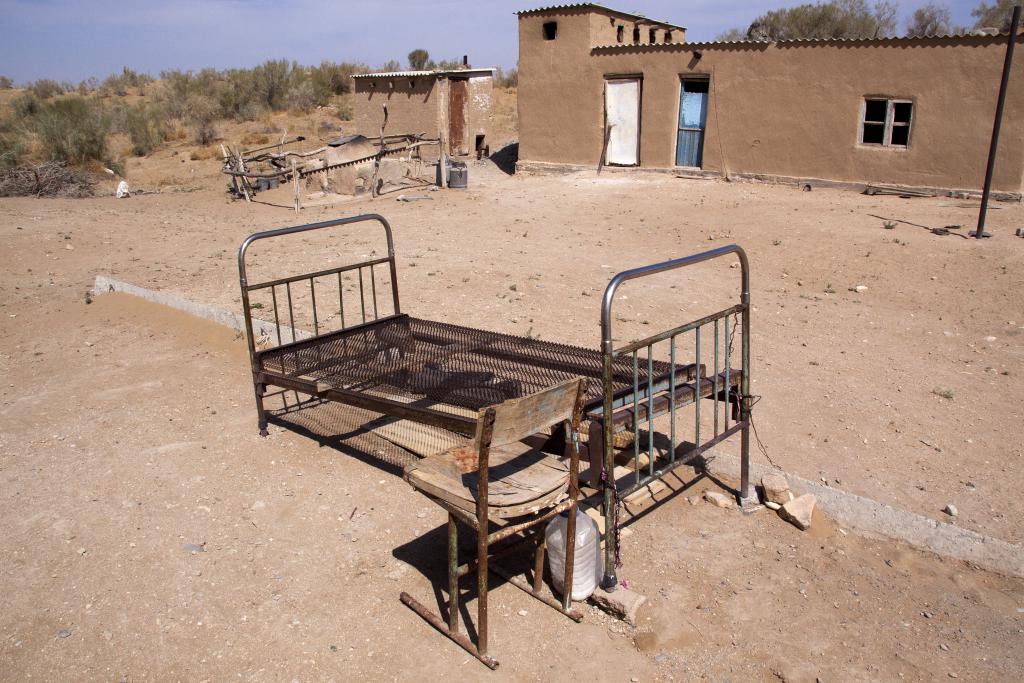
(587, 565)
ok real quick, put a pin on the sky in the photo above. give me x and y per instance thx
(70, 40)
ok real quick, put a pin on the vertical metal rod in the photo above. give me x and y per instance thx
(453, 574)
(373, 291)
(672, 401)
(362, 298)
(728, 386)
(714, 379)
(650, 410)
(1011, 42)
(291, 313)
(277, 318)
(341, 301)
(696, 394)
(636, 426)
(745, 403)
(312, 295)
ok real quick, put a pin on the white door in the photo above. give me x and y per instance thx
(622, 116)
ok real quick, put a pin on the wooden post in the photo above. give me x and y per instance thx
(243, 181)
(295, 182)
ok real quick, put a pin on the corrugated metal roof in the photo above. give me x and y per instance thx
(417, 74)
(594, 5)
(798, 41)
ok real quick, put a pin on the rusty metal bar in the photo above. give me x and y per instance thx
(341, 301)
(319, 273)
(636, 426)
(715, 375)
(650, 413)
(662, 336)
(373, 292)
(672, 400)
(291, 313)
(277, 319)
(362, 297)
(728, 386)
(460, 639)
(696, 398)
(684, 459)
(453, 574)
(312, 295)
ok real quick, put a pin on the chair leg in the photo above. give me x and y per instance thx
(538, 565)
(570, 556)
(481, 586)
(453, 574)
(261, 415)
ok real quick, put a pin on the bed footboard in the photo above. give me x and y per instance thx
(726, 386)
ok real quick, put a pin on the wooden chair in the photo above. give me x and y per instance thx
(498, 481)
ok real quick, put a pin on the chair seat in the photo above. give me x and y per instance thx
(521, 480)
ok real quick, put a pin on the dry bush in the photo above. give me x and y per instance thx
(49, 179)
(204, 153)
(145, 128)
(250, 139)
(201, 112)
(6, 83)
(72, 129)
(45, 88)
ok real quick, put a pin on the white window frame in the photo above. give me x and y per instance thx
(889, 123)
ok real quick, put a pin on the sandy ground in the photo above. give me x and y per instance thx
(128, 431)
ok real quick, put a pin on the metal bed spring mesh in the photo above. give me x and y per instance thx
(414, 359)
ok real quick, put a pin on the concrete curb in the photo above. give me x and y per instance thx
(871, 516)
(261, 328)
(850, 509)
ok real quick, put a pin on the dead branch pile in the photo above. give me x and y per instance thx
(49, 179)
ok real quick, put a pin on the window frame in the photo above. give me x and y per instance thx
(888, 124)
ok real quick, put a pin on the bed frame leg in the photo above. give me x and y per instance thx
(261, 415)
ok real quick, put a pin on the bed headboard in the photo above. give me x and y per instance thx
(321, 301)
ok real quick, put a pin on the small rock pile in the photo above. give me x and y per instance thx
(797, 510)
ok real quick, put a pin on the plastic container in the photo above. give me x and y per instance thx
(587, 565)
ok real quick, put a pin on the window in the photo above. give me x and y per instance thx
(636, 34)
(886, 122)
(652, 36)
(668, 36)
(550, 30)
(618, 32)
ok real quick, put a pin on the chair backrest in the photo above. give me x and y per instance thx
(519, 418)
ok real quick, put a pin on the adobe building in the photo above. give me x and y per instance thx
(455, 105)
(598, 86)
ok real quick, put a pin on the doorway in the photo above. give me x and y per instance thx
(693, 114)
(622, 121)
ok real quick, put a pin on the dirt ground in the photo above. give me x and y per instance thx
(127, 431)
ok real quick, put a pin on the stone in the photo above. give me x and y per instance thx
(772, 506)
(622, 603)
(776, 488)
(951, 510)
(799, 511)
(719, 499)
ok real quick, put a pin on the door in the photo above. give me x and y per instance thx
(457, 96)
(622, 118)
(693, 113)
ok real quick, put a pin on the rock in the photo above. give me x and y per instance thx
(951, 510)
(772, 506)
(859, 288)
(799, 511)
(523, 613)
(718, 499)
(622, 603)
(64, 633)
(195, 547)
(776, 489)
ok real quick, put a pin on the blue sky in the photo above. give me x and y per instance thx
(69, 40)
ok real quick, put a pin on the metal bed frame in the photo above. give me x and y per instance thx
(440, 374)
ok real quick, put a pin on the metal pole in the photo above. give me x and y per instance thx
(1001, 102)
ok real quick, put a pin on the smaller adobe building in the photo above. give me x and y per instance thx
(454, 105)
(600, 86)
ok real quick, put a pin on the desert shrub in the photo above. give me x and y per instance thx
(45, 88)
(88, 86)
(201, 112)
(345, 111)
(25, 106)
(6, 83)
(118, 84)
(145, 128)
(72, 129)
(335, 79)
(302, 96)
(11, 145)
(506, 79)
